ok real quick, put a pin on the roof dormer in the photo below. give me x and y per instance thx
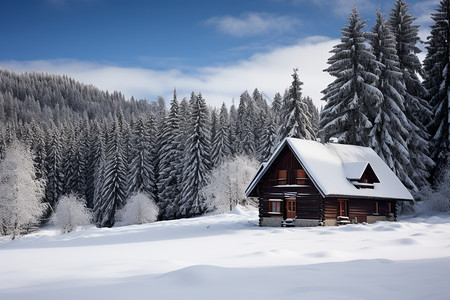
(360, 174)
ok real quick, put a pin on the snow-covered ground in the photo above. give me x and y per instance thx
(229, 257)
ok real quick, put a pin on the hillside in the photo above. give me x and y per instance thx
(228, 257)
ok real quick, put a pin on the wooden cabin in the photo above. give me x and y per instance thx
(307, 183)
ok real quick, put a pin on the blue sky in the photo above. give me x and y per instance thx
(147, 48)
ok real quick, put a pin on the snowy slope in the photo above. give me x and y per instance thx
(229, 257)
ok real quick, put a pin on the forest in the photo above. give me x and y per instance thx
(106, 149)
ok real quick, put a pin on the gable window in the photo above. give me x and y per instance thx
(300, 178)
(282, 177)
(275, 206)
(376, 208)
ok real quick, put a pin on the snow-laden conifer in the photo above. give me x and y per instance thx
(345, 114)
(390, 126)
(295, 117)
(170, 162)
(416, 108)
(197, 163)
(220, 148)
(70, 212)
(437, 83)
(140, 171)
(54, 164)
(113, 191)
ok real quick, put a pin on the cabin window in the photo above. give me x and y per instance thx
(343, 207)
(282, 177)
(275, 206)
(376, 208)
(301, 177)
(389, 207)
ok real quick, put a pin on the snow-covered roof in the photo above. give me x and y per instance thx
(354, 170)
(330, 166)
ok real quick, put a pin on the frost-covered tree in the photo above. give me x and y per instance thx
(70, 212)
(220, 148)
(54, 164)
(227, 184)
(268, 140)
(416, 108)
(21, 194)
(140, 209)
(345, 114)
(390, 129)
(197, 162)
(437, 83)
(140, 171)
(113, 190)
(170, 162)
(295, 117)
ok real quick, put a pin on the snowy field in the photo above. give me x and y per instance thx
(229, 257)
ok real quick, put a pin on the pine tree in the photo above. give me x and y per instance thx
(54, 163)
(113, 192)
(170, 162)
(268, 140)
(344, 115)
(93, 163)
(437, 83)
(140, 172)
(295, 117)
(233, 141)
(390, 126)
(276, 108)
(220, 147)
(416, 108)
(248, 138)
(197, 158)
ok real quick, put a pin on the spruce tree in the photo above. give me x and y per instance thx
(437, 83)
(344, 115)
(417, 109)
(169, 185)
(295, 117)
(390, 126)
(113, 193)
(197, 158)
(220, 148)
(140, 171)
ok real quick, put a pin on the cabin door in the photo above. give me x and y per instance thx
(290, 208)
(343, 207)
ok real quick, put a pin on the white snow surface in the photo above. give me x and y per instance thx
(229, 257)
(324, 164)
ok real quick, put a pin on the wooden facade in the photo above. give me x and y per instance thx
(286, 191)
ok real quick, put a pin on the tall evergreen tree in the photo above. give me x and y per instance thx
(220, 148)
(140, 171)
(197, 158)
(344, 115)
(390, 126)
(170, 162)
(437, 83)
(54, 163)
(416, 108)
(295, 117)
(115, 172)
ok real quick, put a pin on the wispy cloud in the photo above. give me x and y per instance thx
(253, 24)
(270, 72)
(341, 7)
